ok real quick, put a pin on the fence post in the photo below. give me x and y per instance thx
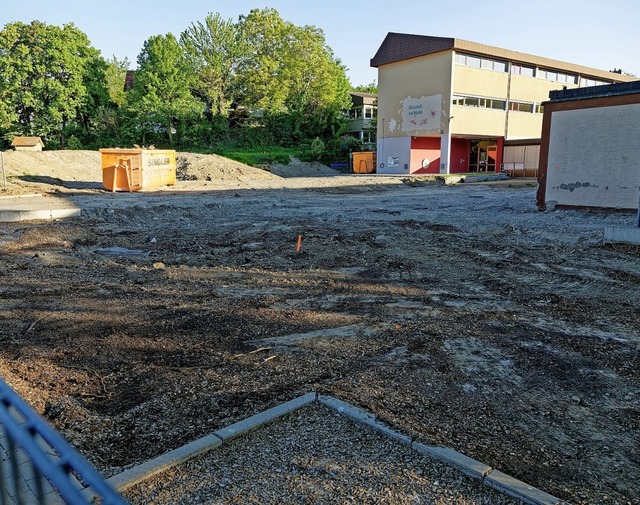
(4, 173)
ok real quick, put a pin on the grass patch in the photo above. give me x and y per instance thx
(259, 156)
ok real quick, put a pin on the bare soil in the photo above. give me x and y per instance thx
(458, 314)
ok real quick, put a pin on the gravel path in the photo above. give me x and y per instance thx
(314, 456)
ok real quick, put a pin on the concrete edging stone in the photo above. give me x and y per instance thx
(469, 466)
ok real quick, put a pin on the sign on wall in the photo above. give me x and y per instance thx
(422, 113)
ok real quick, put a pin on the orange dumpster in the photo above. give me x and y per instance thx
(364, 162)
(137, 169)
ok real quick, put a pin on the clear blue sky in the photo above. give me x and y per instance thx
(600, 34)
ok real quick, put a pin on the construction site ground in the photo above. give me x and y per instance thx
(458, 314)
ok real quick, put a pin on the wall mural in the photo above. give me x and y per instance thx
(420, 114)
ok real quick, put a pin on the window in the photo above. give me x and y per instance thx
(552, 75)
(521, 106)
(539, 109)
(481, 62)
(586, 82)
(368, 112)
(473, 62)
(525, 70)
(483, 103)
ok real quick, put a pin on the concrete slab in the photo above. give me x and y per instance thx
(363, 417)
(37, 207)
(253, 422)
(486, 178)
(518, 489)
(465, 464)
(624, 234)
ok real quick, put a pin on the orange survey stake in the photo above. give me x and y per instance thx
(299, 246)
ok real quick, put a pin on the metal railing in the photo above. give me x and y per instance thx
(37, 465)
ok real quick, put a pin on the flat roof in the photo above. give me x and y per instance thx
(403, 46)
(620, 88)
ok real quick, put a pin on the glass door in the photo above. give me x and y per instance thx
(483, 155)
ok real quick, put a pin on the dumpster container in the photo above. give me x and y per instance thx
(364, 162)
(137, 169)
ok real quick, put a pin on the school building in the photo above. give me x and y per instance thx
(447, 105)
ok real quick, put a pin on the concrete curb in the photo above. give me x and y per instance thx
(12, 216)
(624, 234)
(465, 464)
(518, 489)
(469, 466)
(165, 461)
(253, 422)
(486, 178)
(24, 195)
(362, 417)
(137, 474)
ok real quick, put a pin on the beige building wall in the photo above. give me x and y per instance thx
(477, 121)
(418, 77)
(533, 89)
(480, 82)
(524, 125)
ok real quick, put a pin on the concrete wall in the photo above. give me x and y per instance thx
(394, 155)
(593, 158)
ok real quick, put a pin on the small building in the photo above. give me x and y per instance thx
(27, 144)
(589, 153)
(448, 105)
(362, 117)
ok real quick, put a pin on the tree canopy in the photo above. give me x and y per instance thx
(256, 80)
(49, 74)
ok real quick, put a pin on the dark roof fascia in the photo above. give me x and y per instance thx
(617, 89)
(403, 46)
(363, 95)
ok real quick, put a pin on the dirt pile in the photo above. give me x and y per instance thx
(297, 168)
(209, 167)
(62, 171)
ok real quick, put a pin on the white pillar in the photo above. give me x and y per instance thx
(445, 152)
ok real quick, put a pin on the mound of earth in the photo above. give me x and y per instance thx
(48, 171)
(61, 171)
(297, 168)
(209, 167)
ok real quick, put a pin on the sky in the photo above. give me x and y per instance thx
(604, 35)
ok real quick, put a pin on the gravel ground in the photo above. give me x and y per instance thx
(314, 456)
(459, 315)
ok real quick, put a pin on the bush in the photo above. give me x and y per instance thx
(73, 143)
(316, 149)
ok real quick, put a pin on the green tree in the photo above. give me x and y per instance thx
(162, 97)
(262, 81)
(115, 76)
(45, 71)
(372, 87)
(293, 71)
(215, 49)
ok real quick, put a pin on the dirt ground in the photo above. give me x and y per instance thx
(458, 314)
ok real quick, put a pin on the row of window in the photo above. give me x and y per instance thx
(472, 61)
(497, 104)
(358, 113)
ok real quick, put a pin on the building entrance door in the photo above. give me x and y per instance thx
(483, 155)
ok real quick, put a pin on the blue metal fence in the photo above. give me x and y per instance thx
(37, 465)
